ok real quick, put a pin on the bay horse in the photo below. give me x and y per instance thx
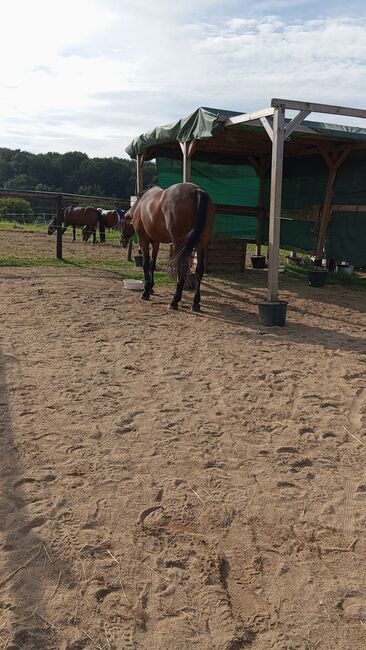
(110, 219)
(181, 215)
(88, 218)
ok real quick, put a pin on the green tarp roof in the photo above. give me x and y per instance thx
(205, 123)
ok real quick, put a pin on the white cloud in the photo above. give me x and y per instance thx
(94, 74)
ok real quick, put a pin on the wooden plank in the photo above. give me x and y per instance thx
(318, 108)
(236, 210)
(348, 208)
(275, 202)
(226, 255)
(291, 126)
(248, 117)
(267, 127)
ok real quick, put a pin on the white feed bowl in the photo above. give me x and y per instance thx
(133, 285)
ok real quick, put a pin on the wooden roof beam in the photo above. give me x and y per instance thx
(318, 108)
(248, 117)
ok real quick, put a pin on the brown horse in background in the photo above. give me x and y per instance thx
(111, 219)
(87, 218)
(182, 215)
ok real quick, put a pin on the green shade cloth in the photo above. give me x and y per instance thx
(206, 122)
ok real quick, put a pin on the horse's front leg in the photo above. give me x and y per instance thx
(155, 250)
(74, 233)
(146, 266)
(200, 269)
(94, 235)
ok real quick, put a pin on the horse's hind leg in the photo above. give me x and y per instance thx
(182, 272)
(178, 293)
(74, 233)
(155, 250)
(200, 269)
(146, 266)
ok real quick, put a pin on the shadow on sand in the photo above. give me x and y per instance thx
(26, 562)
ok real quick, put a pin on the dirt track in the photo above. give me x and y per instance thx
(173, 480)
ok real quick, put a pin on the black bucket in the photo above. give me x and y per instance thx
(138, 260)
(317, 278)
(258, 261)
(273, 313)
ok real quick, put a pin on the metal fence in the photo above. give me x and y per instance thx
(39, 218)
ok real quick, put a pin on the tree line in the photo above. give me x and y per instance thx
(73, 172)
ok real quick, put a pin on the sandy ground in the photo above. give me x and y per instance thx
(174, 480)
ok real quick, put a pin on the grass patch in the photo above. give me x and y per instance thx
(111, 235)
(24, 227)
(119, 269)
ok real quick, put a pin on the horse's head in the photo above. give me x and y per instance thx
(52, 227)
(127, 229)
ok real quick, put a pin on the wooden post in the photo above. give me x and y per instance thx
(261, 166)
(333, 166)
(188, 149)
(259, 234)
(186, 162)
(139, 173)
(139, 188)
(129, 252)
(275, 202)
(59, 227)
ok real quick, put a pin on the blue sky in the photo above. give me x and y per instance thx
(90, 75)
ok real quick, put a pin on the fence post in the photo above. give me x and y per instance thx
(59, 227)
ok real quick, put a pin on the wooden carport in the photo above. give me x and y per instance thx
(265, 148)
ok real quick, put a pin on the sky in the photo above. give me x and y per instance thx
(90, 75)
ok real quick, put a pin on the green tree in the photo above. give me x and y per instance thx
(13, 209)
(73, 172)
(90, 190)
(20, 182)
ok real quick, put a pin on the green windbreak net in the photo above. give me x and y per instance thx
(346, 239)
(226, 184)
(304, 184)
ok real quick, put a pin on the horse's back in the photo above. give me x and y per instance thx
(79, 216)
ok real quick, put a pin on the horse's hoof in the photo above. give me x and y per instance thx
(151, 292)
(196, 307)
(173, 305)
(145, 296)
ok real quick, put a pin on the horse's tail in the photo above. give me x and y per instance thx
(183, 256)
